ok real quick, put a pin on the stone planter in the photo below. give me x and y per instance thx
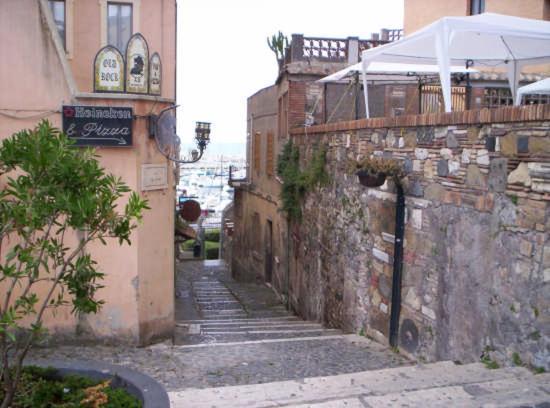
(370, 179)
(147, 390)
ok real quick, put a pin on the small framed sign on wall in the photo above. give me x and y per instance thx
(109, 70)
(155, 75)
(137, 65)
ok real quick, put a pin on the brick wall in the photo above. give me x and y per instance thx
(476, 269)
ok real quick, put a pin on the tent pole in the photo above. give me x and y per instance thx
(442, 52)
(513, 69)
(364, 66)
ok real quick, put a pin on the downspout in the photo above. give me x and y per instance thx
(287, 263)
(397, 265)
(419, 95)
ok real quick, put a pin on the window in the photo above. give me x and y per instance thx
(269, 159)
(58, 12)
(283, 115)
(119, 25)
(477, 7)
(256, 145)
(496, 97)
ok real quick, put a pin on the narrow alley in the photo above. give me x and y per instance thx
(237, 346)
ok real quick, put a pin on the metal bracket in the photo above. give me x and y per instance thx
(152, 125)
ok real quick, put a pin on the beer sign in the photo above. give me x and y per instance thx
(109, 70)
(137, 65)
(155, 74)
(98, 125)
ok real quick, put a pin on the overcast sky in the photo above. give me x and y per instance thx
(223, 57)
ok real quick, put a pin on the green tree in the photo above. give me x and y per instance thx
(52, 192)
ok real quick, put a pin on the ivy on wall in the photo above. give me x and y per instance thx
(296, 182)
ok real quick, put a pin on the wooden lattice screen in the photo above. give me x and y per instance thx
(257, 145)
(269, 159)
(432, 99)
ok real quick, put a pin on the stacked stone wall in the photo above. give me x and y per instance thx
(476, 267)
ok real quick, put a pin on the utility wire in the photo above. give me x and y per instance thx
(37, 115)
(340, 101)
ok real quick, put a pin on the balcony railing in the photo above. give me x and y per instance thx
(346, 50)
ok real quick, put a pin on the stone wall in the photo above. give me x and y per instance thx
(476, 268)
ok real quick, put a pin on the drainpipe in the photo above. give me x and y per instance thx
(397, 266)
(287, 264)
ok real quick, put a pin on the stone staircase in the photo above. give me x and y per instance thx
(224, 318)
(441, 384)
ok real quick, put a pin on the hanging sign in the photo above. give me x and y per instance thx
(155, 74)
(190, 210)
(109, 70)
(98, 126)
(137, 65)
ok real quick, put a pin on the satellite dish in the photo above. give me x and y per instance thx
(190, 210)
(168, 142)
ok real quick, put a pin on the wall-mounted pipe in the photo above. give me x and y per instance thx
(397, 266)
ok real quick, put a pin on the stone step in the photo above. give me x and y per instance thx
(228, 317)
(200, 341)
(499, 393)
(363, 384)
(216, 297)
(241, 315)
(230, 328)
(246, 336)
(277, 332)
(245, 320)
(221, 307)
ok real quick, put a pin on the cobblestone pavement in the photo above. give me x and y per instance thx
(233, 334)
(236, 346)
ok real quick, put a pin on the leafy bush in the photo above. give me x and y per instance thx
(212, 250)
(296, 183)
(212, 235)
(375, 165)
(42, 387)
(188, 245)
(56, 200)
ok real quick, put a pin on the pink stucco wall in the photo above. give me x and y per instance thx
(139, 279)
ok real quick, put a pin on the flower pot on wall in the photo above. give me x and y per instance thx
(371, 179)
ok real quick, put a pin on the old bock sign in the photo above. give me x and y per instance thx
(155, 74)
(98, 126)
(137, 65)
(109, 70)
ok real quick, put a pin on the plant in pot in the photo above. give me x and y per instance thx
(373, 171)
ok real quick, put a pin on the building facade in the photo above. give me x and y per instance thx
(262, 234)
(47, 61)
(431, 11)
(475, 251)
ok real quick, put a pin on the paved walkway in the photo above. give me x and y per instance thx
(253, 353)
(236, 346)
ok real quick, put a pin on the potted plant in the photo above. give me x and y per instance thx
(372, 171)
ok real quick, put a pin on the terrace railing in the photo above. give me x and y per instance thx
(345, 50)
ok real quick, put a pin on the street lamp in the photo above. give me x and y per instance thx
(202, 134)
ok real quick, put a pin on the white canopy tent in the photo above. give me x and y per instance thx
(383, 68)
(539, 87)
(482, 40)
